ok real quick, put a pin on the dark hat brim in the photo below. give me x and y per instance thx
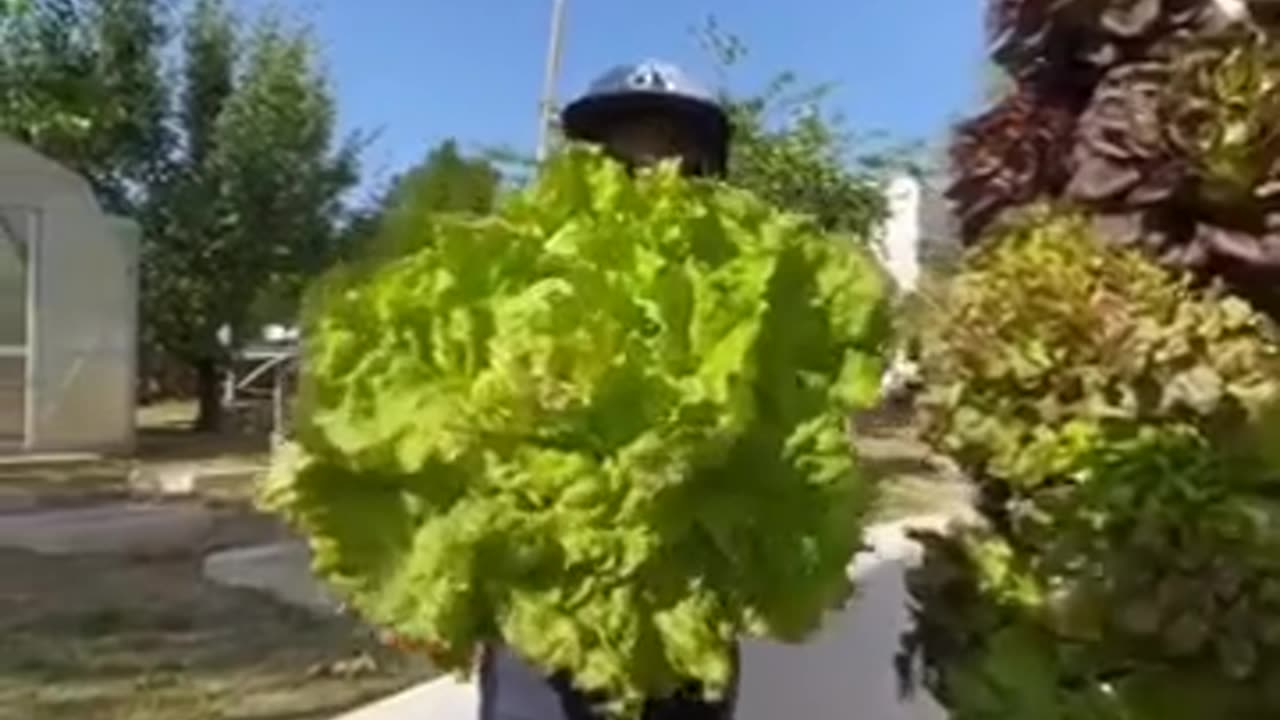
(590, 117)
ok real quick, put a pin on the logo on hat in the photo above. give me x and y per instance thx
(648, 77)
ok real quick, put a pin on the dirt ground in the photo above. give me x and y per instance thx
(112, 638)
(911, 479)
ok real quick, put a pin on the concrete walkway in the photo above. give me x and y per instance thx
(846, 672)
(123, 528)
(282, 570)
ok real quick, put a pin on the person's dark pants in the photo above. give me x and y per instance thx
(512, 689)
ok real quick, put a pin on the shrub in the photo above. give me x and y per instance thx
(606, 425)
(1116, 419)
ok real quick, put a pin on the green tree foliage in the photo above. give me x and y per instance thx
(607, 424)
(251, 196)
(189, 221)
(45, 78)
(792, 151)
(445, 182)
(802, 164)
(448, 181)
(1120, 422)
(284, 172)
(131, 35)
(233, 170)
(82, 81)
(208, 74)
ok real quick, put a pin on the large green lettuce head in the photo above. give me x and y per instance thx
(606, 425)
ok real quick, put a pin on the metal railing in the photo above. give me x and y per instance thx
(279, 364)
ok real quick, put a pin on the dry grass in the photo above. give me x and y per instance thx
(165, 433)
(105, 638)
(118, 638)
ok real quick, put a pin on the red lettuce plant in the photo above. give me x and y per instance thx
(1160, 117)
(1178, 154)
(1059, 53)
(1042, 38)
(1012, 154)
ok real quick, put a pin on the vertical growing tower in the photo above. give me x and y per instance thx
(1159, 117)
(1158, 121)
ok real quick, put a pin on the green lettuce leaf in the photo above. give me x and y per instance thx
(607, 425)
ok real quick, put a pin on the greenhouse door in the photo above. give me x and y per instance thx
(19, 230)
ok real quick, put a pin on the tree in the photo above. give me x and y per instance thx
(130, 36)
(82, 81)
(790, 149)
(47, 97)
(188, 221)
(208, 76)
(445, 181)
(516, 168)
(252, 197)
(233, 171)
(287, 176)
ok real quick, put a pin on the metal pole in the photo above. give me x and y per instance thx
(229, 384)
(546, 111)
(277, 405)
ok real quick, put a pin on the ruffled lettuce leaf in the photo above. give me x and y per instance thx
(607, 425)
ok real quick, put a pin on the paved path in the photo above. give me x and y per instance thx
(845, 673)
(282, 570)
(121, 528)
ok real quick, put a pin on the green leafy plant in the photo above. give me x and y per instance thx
(1221, 112)
(1118, 420)
(1115, 418)
(792, 150)
(606, 425)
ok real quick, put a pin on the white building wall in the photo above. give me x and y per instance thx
(83, 341)
(899, 242)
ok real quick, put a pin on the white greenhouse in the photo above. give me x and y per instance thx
(68, 312)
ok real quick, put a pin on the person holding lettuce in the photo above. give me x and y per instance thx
(592, 440)
(640, 115)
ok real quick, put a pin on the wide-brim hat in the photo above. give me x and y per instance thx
(650, 87)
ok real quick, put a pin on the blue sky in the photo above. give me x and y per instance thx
(418, 71)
